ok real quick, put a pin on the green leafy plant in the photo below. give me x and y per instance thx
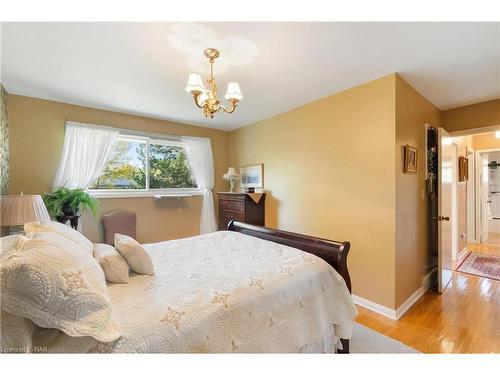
(68, 202)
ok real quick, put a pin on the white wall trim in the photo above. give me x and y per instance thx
(395, 314)
(461, 254)
(409, 302)
(373, 306)
(476, 131)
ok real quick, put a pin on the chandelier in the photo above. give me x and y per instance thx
(205, 97)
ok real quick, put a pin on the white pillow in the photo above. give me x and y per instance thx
(113, 264)
(135, 255)
(61, 229)
(53, 283)
(10, 244)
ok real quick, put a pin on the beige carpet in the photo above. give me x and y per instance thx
(366, 340)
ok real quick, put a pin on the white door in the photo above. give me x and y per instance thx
(445, 180)
(483, 183)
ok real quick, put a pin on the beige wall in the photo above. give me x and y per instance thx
(472, 116)
(413, 111)
(485, 142)
(36, 139)
(329, 170)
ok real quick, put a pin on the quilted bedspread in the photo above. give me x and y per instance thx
(228, 292)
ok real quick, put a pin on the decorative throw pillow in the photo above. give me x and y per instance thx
(114, 266)
(53, 283)
(135, 255)
(10, 244)
(61, 229)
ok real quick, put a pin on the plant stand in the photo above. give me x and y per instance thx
(73, 219)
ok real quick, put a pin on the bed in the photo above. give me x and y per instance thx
(245, 290)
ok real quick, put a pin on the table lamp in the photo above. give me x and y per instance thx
(231, 176)
(17, 210)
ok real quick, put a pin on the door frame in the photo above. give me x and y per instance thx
(477, 192)
(471, 197)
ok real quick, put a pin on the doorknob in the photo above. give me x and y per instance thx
(442, 218)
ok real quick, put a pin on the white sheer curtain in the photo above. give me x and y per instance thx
(199, 155)
(85, 153)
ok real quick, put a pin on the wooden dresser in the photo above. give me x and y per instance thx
(240, 207)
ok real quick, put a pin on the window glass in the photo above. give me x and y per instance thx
(126, 168)
(168, 167)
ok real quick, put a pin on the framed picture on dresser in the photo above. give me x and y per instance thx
(252, 176)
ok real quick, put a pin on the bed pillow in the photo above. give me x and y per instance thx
(112, 263)
(61, 229)
(53, 283)
(11, 244)
(137, 258)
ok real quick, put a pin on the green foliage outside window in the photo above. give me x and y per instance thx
(126, 169)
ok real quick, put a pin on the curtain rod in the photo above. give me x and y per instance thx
(132, 132)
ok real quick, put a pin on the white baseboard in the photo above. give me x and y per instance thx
(462, 254)
(395, 314)
(373, 306)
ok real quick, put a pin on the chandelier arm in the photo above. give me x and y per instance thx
(231, 109)
(195, 97)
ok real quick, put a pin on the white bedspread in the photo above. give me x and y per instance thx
(228, 292)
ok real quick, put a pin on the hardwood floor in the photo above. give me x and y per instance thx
(464, 319)
(491, 247)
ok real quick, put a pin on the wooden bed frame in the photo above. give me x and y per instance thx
(333, 252)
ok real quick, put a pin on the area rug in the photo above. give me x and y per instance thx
(481, 265)
(366, 340)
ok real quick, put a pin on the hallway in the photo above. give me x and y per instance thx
(462, 320)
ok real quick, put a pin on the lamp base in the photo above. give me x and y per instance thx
(15, 229)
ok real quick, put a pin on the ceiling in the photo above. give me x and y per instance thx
(142, 68)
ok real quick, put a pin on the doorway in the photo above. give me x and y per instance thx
(488, 197)
(476, 203)
(463, 190)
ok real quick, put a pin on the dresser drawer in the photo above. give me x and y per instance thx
(232, 205)
(226, 216)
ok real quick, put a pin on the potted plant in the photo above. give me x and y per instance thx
(65, 204)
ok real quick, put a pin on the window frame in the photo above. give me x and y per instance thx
(147, 192)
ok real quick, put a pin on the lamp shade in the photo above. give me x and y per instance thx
(194, 83)
(203, 97)
(233, 91)
(232, 172)
(21, 209)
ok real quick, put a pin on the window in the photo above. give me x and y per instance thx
(141, 165)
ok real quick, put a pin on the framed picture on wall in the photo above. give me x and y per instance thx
(463, 169)
(252, 176)
(410, 159)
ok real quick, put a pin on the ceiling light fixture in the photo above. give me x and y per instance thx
(206, 97)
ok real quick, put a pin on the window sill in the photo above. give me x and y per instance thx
(145, 194)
